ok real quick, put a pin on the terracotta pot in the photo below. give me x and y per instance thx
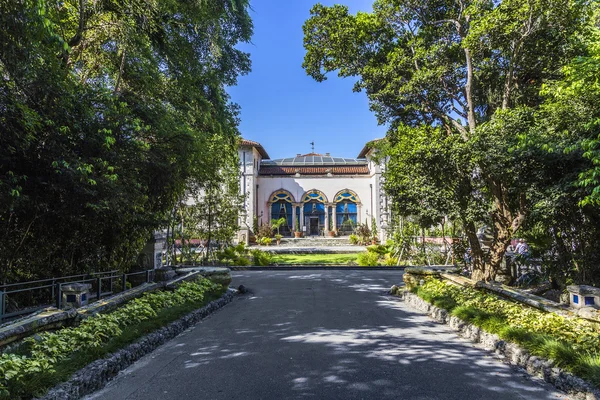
(332, 233)
(297, 234)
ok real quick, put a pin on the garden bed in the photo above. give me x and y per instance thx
(49, 358)
(571, 344)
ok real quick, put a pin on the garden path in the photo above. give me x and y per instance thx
(323, 335)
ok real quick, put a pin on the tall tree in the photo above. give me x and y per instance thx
(105, 108)
(471, 69)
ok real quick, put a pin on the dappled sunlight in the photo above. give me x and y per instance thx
(316, 277)
(365, 287)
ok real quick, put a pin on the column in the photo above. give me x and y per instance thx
(334, 217)
(293, 218)
(359, 214)
(326, 218)
(301, 217)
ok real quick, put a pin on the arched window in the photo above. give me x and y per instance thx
(314, 211)
(346, 210)
(281, 207)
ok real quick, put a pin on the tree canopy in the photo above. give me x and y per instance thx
(106, 108)
(466, 88)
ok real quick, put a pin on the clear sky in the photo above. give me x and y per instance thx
(282, 107)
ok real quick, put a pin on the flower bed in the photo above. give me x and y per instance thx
(47, 358)
(572, 344)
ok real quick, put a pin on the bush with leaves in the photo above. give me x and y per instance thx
(47, 348)
(368, 259)
(572, 343)
(261, 258)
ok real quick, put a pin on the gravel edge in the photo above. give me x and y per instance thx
(512, 353)
(96, 375)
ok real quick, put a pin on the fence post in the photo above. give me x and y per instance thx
(99, 288)
(124, 282)
(58, 296)
(148, 276)
(2, 295)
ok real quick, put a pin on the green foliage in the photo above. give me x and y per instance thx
(378, 249)
(459, 86)
(277, 224)
(49, 348)
(234, 255)
(104, 120)
(261, 258)
(367, 259)
(265, 241)
(572, 343)
(265, 231)
(363, 232)
(353, 239)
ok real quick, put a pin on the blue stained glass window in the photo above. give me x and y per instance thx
(575, 299)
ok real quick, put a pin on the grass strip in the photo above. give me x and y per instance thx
(314, 259)
(493, 315)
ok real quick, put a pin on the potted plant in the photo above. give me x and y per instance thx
(278, 238)
(374, 230)
(331, 230)
(298, 232)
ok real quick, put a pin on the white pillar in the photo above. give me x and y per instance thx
(301, 217)
(293, 218)
(334, 217)
(326, 217)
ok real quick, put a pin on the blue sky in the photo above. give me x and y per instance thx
(282, 107)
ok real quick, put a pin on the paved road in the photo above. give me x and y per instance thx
(321, 335)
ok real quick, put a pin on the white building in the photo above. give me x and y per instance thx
(319, 191)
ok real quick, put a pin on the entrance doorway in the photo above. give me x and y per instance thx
(314, 226)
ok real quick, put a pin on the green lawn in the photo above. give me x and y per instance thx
(314, 259)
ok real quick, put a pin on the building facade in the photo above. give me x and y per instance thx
(316, 192)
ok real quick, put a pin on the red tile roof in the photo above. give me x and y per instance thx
(335, 170)
(257, 146)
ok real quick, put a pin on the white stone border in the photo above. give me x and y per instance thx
(512, 353)
(96, 375)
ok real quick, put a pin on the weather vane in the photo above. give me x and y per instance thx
(313, 146)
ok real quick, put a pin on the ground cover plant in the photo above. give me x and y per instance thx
(51, 357)
(314, 259)
(573, 344)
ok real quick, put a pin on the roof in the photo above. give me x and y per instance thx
(314, 159)
(314, 170)
(363, 153)
(257, 146)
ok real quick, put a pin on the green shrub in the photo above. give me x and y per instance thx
(390, 261)
(353, 239)
(266, 241)
(261, 258)
(48, 348)
(377, 248)
(572, 343)
(243, 261)
(368, 259)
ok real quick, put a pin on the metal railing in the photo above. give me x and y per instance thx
(22, 298)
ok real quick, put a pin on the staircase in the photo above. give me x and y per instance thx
(315, 241)
(313, 245)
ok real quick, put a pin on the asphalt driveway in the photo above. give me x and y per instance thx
(321, 335)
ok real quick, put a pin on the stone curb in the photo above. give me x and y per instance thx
(512, 353)
(314, 267)
(96, 375)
